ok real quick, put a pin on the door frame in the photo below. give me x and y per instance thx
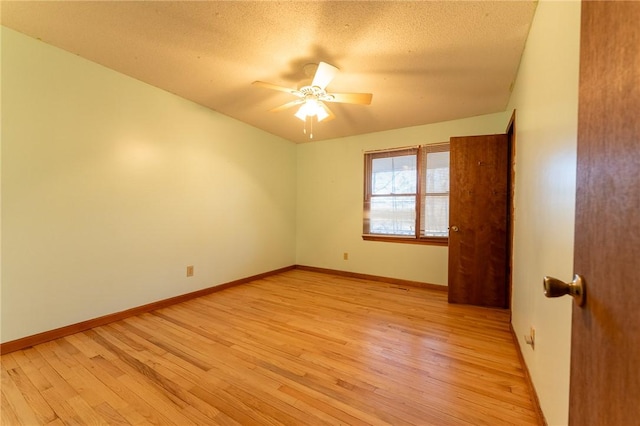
(511, 184)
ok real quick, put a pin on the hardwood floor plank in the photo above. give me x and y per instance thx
(229, 404)
(84, 412)
(110, 414)
(60, 405)
(7, 414)
(17, 403)
(32, 397)
(335, 409)
(53, 376)
(137, 410)
(32, 369)
(297, 348)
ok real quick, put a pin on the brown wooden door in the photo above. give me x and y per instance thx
(478, 220)
(605, 346)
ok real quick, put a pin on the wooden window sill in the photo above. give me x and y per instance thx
(407, 240)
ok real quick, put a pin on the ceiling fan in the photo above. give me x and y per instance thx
(312, 97)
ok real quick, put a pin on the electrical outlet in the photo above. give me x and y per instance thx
(531, 338)
(190, 271)
(345, 256)
(532, 333)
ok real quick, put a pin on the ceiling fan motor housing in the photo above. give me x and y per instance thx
(315, 92)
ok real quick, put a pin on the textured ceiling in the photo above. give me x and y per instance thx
(424, 61)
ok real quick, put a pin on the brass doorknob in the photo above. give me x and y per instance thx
(553, 287)
(455, 228)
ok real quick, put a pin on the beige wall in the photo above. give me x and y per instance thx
(546, 99)
(111, 187)
(330, 194)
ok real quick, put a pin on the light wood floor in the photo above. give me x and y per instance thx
(298, 348)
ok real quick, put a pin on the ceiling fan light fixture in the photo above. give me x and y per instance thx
(311, 107)
(301, 114)
(321, 113)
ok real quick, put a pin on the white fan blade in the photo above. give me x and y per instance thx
(275, 87)
(351, 98)
(324, 75)
(287, 105)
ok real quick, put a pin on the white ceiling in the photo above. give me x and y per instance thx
(424, 61)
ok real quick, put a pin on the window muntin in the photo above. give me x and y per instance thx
(407, 190)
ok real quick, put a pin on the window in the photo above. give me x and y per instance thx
(406, 196)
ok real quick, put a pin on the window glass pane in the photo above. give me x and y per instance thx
(392, 215)
(394, 175)
(437, 176)
(435, 220)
